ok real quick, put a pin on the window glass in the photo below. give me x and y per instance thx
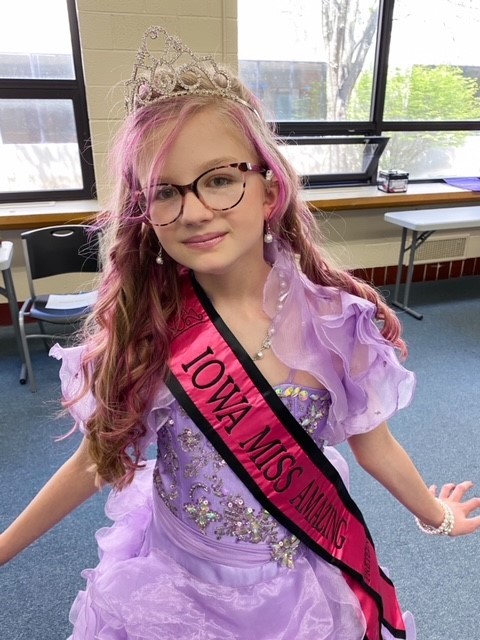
(406, 69)
(45, 149)
(433, 154)
(38, 146)
(334, 155)
(35, 40)
(434, 61)
(308, 62)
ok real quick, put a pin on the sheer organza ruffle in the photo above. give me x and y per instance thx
(332, 335)
(71, 379)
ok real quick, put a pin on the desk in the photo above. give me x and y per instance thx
(422, 223)
(6, 254)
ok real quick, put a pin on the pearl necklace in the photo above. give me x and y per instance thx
(267, 342)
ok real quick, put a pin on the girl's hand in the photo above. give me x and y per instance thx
(453, 495)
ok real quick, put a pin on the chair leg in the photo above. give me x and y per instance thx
(26, 353)
(45, 341)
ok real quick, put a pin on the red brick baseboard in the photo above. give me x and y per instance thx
(5, 316)
(380, 276)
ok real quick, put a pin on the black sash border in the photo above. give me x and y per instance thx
(298, 433)
(280, 410)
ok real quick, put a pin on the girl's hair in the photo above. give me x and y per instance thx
(127, 336)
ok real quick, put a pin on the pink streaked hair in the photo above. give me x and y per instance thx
(127, 337)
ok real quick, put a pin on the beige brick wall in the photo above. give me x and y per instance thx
(110, 33)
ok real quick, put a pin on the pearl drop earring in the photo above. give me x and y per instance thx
(159, 258)
(267, 236)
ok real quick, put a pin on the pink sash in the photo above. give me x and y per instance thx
(227, 397)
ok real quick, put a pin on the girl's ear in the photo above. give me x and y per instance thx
(271, 193)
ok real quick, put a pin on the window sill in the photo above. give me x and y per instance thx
(30, 215)
(424, 194)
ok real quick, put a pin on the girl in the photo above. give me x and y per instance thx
(223, 335)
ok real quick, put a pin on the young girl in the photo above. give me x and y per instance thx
(223, 335)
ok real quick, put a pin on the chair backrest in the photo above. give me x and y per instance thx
(60, 250)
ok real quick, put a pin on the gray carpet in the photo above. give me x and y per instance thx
(437, 579)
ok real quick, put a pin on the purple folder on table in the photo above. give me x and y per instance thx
(469, 184)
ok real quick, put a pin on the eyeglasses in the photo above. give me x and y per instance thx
(218, 189)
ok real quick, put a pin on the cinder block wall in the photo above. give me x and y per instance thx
(111, 32)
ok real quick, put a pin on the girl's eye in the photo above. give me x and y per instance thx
(165, 192)
(218, 182)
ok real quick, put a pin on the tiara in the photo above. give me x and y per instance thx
(156, 79)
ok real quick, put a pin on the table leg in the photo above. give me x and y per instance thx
(404, 305)
(400, 265)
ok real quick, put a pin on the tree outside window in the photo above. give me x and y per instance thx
(404, 69)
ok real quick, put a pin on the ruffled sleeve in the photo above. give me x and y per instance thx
(332, 335)
(71, 379)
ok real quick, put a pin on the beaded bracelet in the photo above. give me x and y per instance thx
(446, 528)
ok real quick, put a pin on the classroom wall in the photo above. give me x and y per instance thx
(110, 33)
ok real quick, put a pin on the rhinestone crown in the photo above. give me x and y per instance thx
(160, 78)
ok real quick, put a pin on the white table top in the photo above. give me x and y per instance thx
(436, 219)
(6, 254)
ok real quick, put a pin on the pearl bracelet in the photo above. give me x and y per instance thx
(446, 528)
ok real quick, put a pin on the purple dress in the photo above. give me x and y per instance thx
(192, 555)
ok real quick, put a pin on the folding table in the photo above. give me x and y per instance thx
(422, 223)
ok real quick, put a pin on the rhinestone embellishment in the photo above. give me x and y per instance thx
(200, 509)
(175, 71)
(285, 550)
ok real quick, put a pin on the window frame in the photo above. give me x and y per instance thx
(377, 143)
(58, 89)
(376, 126)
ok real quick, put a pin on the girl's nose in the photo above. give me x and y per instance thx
(193, 209)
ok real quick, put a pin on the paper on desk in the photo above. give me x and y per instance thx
(71, 300)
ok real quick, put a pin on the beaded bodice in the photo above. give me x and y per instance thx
(198, 486)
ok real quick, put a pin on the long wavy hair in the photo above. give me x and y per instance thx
(127, 336)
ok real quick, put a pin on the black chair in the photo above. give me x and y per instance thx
(53, 251)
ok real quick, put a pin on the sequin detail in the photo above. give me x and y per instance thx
(168, 497)
(284, 551)
(189, 441)
(244, 523)
(312, 406)
(198, 486)
(200, 509)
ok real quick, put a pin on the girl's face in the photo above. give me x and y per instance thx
(214, 242)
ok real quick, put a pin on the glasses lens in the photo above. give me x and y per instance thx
(221, 188)
(165, 203)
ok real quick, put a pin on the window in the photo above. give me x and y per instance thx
(401, 70)
(44, 134)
